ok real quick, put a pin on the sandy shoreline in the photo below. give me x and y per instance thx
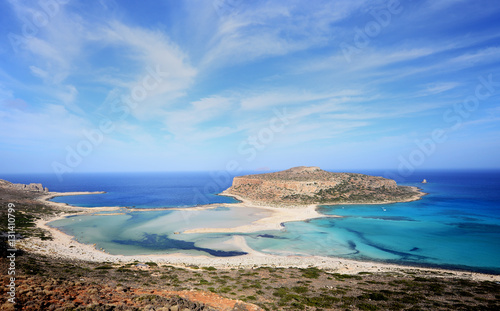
(273, 222)
(65, 246)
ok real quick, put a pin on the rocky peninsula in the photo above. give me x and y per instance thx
(29, 187)
(296, 193)
(311, 185)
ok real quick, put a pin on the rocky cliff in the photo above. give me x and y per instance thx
(310, 185)
(31, 187)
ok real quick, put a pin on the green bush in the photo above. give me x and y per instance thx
(209, 268)
(311, 273)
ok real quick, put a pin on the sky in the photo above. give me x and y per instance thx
(105, 86)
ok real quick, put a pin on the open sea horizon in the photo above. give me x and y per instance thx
(455, 226)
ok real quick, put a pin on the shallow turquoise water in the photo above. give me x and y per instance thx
(156, 232)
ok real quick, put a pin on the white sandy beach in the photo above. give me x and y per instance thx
(65, 246)
(273, 222)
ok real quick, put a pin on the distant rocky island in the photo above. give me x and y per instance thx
(312, 185)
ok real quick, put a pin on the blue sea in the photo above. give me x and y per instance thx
(457, 225)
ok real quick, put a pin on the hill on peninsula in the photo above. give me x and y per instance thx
(312, 185)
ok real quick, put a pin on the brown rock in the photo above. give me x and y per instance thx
(31, 187)
(312, 185)
(7, 307)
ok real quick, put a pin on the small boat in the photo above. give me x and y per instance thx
(424, 181)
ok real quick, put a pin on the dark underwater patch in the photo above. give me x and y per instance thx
(221, 209)
(403, 255)
(163, 242)
(393, 218)
(352, 246)
(269, 236)
(466, 218)
(477, 227)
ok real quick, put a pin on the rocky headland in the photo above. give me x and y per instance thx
(29, 187)
(311, 185)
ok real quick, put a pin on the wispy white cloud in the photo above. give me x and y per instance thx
(487, 55)
(451, 64)
(290, 97)
(160, 59)
(61, 49)
(49, 127)
(4, 92)
(52, 50)
(185, 123)
(274, 28)
(437, 88)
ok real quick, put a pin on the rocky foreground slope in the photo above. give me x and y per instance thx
(312, 185)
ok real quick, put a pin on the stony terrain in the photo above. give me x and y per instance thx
(48, 293)
(312, 185)
(46, 284)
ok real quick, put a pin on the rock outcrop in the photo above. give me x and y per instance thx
(309, 185)
(30, 187)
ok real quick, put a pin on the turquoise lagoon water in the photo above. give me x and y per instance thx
(457, 225)
(156, 232)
